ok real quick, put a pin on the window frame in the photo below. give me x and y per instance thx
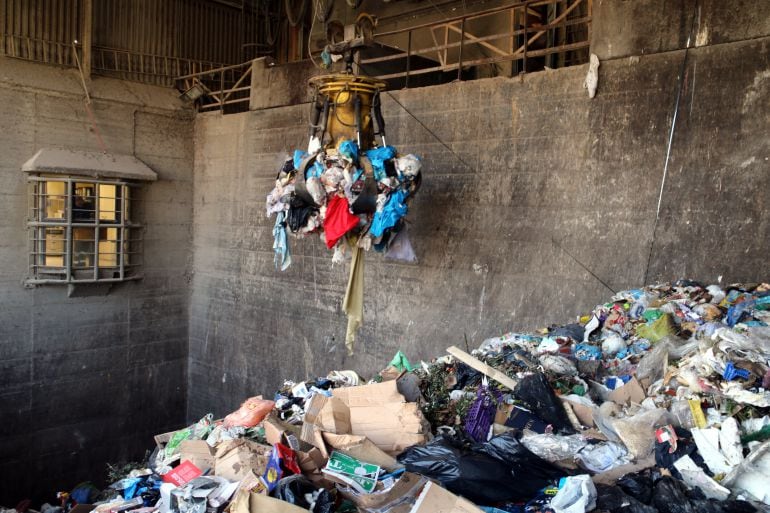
(128, 258)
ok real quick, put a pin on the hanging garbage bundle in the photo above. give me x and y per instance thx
(350, 190)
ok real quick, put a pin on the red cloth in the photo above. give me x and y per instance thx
(338, 220)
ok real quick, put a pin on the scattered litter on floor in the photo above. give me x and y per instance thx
(656, 401)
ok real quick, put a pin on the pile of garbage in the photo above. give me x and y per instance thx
(656, 401)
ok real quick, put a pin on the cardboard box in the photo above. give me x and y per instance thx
(198, 452)
(369, 395)
(434, 499)
(235, 458)
(277, 431)
(162, 439)
(400, 498)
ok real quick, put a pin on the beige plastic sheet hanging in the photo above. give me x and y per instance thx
(353, 304)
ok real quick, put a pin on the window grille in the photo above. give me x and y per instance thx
(81, 231)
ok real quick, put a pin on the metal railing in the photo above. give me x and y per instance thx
(124, 64)
(220, 87)
(564, 23)
(538, 34)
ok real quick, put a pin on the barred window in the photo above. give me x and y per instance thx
(81, 231)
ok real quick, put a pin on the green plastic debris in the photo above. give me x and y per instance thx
(176, 439)
(579, 390)
(401, 363)
(760, 436)
(656, 330)
(652, 314)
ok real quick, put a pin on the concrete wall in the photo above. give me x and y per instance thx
(555, 185)
(84, 381)
(638, 27)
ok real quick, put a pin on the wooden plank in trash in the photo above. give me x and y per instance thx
(482, 367)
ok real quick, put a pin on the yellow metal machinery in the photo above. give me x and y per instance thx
(347, 107)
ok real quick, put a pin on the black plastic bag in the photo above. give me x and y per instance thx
(639, 486)
(497, 471)
(298, 490)
(574, 331)
(612, 498)
(535, 391)
(299, 212)
(671, 496)
(685, 446)
(466, 376)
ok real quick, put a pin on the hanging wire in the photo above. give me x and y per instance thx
(316, 7)
(295, 20)
(271, 34)
(680, 84)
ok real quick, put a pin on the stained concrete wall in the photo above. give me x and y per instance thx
(621, 28)
(543, 189)
(84, 381)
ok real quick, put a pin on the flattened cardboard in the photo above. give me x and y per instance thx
(435, 499)
(381, 414)
(362, 449)
(311, 463)
(245, 502)
(198, 452)
(630, 392)
(369, 395)
(313, 435)
(328, 413)
(400, 498)
(235, 458)
(585, 414)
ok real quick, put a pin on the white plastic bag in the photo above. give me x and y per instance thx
(602, 457)
(578, 495)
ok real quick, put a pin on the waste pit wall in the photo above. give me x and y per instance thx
(541, 201)
(88, 380)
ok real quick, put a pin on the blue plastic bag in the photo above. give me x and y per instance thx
(377, 157)
(393, 210)
(299, 156)
(349, 150)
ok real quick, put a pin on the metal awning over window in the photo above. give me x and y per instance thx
(88, 163)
